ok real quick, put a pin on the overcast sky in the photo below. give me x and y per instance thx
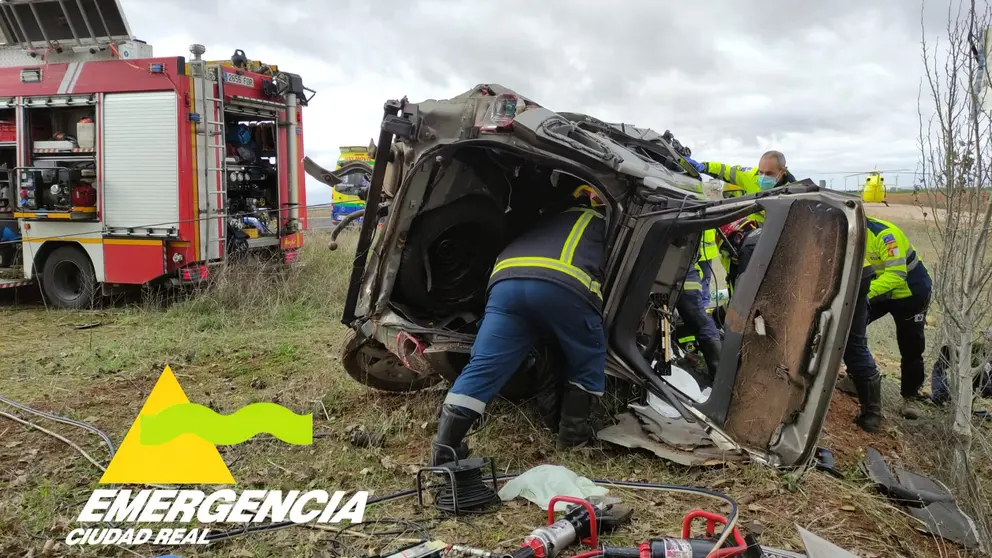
(832, 84)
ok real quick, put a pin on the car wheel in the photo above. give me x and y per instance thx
(539, 370)
(68, 279)
(449, 254)
(373, 365)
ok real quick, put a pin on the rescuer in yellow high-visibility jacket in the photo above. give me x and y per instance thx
(771, 172)
(902, 287)
(898, 283)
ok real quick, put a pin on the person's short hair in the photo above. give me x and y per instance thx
(777, 155)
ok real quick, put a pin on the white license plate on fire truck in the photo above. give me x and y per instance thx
(239, 80)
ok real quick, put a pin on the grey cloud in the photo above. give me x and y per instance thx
(824, 69)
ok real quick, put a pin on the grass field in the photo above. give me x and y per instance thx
(254, 338)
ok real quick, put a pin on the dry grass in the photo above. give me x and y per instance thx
(255, 337)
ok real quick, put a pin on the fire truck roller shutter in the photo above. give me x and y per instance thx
(141, 160)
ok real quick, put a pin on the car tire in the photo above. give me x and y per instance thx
(371, 364)
(465, 237)
(68, 280)
(536, 374)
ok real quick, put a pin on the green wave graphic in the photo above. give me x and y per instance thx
(226, 430)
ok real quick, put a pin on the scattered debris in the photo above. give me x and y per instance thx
(926, 499)
(629, 433)
(816, 546)
(824, 461)
(361, 437)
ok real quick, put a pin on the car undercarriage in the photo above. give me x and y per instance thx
(464, 176)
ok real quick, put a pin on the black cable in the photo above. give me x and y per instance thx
(416, 525)
(731, 518)
(282, 524)
(474, 495)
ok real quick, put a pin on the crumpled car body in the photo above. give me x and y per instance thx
(465, 175)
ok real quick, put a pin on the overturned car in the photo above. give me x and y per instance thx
(464, 176)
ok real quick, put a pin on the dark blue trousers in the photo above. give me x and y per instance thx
(519, 313)
(857, 356)
(707, 277)
(692, 308)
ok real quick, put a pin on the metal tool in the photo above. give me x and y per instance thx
(583, 522)
(685, 547)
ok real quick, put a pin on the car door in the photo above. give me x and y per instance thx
(787, 322)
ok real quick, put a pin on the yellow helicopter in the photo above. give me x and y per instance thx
(873, 190)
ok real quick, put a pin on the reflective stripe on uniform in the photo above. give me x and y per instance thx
(692, 286)
(556, 265)
(564, 263)
(912, 261)
(465, 401)
(572, 242)
(733, 175)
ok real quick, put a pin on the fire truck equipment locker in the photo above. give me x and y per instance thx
(122, 169)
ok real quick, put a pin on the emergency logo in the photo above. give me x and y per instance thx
(174, 442)
(891, 245)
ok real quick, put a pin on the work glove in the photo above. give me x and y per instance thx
(697, 165)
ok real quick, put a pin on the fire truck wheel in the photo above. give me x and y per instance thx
(373, 365)
(68, 278)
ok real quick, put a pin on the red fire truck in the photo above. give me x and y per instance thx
(119, 168)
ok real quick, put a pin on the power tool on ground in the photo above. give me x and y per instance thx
(584, 521)
(686, 547)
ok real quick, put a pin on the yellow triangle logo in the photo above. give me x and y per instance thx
(186, 459)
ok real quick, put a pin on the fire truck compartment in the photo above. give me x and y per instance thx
(252, 164)
(8, 160)
(59, 180)
(121, 168)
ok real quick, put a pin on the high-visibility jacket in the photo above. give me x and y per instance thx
(567, 248)
(693, 279)
(708, 250)
(899, 271)
(745, 178)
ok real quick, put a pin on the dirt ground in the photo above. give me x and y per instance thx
(278, 340)
(902, 212)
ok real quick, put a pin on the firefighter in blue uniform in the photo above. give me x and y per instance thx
(692, 309)
(708, 252)
(545, 282)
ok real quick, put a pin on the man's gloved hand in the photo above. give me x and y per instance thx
(697, 165)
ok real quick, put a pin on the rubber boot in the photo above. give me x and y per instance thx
(575, 428)
(452, 427)
(870, 398)
(711, 354)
